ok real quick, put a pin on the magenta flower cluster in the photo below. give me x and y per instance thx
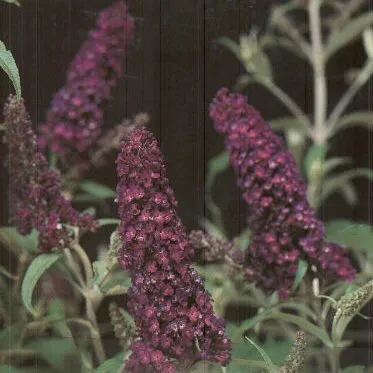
(172, 310)
(74, 120)
(283, 224)
(36, 189)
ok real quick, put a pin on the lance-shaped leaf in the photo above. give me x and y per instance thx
(215, 167)
(368, 42)
(337, 182)
(15, 2)
(358, 118)
(350, 234)
(112, 365)
(270, 366)
(286, 124)
(302, 323)
(36, 269)
(352, 30)
(8, 64)
(97, 190)
(14, 241)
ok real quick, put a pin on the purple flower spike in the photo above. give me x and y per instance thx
(172, 310)
(75, 118)
(283, 224)
(36, 188)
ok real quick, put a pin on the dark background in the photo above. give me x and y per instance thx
(174, 69)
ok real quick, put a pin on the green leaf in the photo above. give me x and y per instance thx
(297, 307)
(117, 281)
(368, 42)
(205, 367)
(254, 58)
(231, 45)
(352, 235)
(353, 29)
(215, 167)
(349, 193)
(354, 369)
(358, 118)
(36, 269)
(293, 319)
(108, 221)
(56, 315)
(56, 351)
(332, 163)
(99, 272)
(314, 158)
(301, 272)
(10, 337)
(90, 211)
(99, 191)
(244, 357)
(8, 64)
(14, 241)
(285, 124)
(14, 369)
(244, 239)
(270, 366)
(336, 182)
(212, 228)
(15, 2)
(112, 365)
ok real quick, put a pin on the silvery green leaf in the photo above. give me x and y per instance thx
(97, 190)
(113, 365)
(331, 164)
(358, 118)
(368, 42)
(270, 366)
(285, 124)
(231, 45)
(8, 64)
(16, 242)
(343, 36)
(15, 2)
(37, 268)
(301, 272)
(350, 234)
(336, 182)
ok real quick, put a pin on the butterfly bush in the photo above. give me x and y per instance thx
(75, 118)
(284, 226)
(172, 310)
(35, 187)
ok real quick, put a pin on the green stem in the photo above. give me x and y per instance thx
(91, 302)
(85, 261)
(318, 63)
(332, 352)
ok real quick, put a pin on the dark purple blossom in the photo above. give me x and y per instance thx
(75, 118)
(36, 188)
(283, 224)
(172, 310)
